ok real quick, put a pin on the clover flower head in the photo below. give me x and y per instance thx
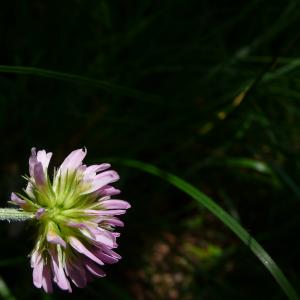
(76, 219)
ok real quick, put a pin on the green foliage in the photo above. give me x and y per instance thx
(229, 221)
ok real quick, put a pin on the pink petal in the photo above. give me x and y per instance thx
(73, 160)
(44, 158)
(17, 200)
(115, 204)
(101, 180)
(38, 164)
(46, 281)
(76, 224)
(86, 225)
(53, 238)
(107, 259)
(91, 171)
(115, 222)
(32, 161)
(77, 273)
(59, 274)
(39, 213)
(103, 237)
(77, 245)
(93, 212)
(37, 273)
(81, 168)
(99, 236)
(102, 167)
(93, 268)
(34, 257)
(108, 191)
(29, 189)
(115, 234)
(110, 252)
(38, 174)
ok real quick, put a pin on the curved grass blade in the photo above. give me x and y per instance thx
(5, 293)
(222, 215)
(249, 163)
(104, 85)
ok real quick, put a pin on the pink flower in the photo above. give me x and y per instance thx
(76, 216)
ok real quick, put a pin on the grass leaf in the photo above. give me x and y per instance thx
(223, 216)
(104, 85)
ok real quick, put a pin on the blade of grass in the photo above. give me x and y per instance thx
(248, 163)
(104, 85)
(222, 215)
(291, 66)
(5, 292)
(287, 180)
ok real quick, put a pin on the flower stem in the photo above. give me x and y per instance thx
(15, 215)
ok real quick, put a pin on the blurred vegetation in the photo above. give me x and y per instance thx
(208, 90)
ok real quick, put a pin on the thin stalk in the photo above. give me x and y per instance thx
(73, 78)
(14, 215)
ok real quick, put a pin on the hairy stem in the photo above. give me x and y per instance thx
(15, 215)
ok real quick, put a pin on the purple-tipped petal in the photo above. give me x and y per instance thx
(99, 236)
(38, 174)
(38, 164)
(34, 257)
(78, 246)
(73, 161)
(111, 252)
(102, 167)
(81, 168)
(115, 222)
(58, 271)
(17, 200)
(103, 237)
(28, 190)
(44, 158)
(76, 273)
(37, 274)
(108, 191)
(94, 269)
(32, 161)
(47, 281)
(39, 213)
(116, 234)
(115, 204)
(106, 258)
(93, 212)
(53, 238)
(76, 224)
(101, 180)
(90, 172)
(87, 225)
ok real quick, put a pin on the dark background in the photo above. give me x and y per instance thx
(208, 90)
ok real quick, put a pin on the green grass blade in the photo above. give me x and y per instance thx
(248, 163)
(101, 84)
(5, 293)
(221, 214)
(291, 66)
